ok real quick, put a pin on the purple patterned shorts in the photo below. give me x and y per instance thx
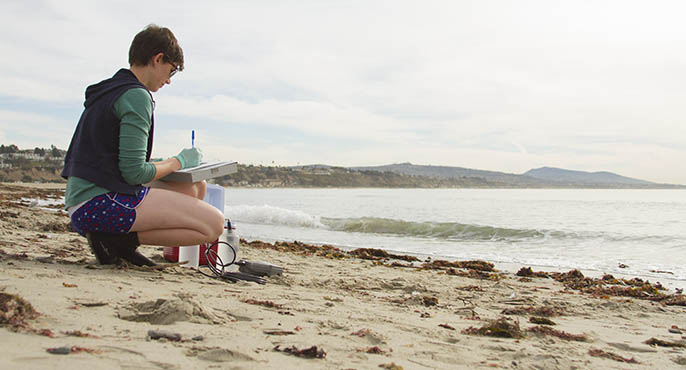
(109, 213)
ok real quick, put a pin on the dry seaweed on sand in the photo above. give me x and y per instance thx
(662, 272)
(612, 356)
(634, 288)
(665, 343)
(4, 215)
(391, 366)
(470, 288)
(278, 332)
(528, 272)
(398, 264)
(541, 321)
(300, 248)
(547, 311)
(636, 282)
(378, 254)
(476, 267)
(16, 193)
(429, 301)
(645, 291)
(675, 300)
(472, 265)
(501, 327)
(80, 334)
(269, 304)
(573, 279)
(473, 274)
(361, 333)
(44, 332)
(311, 352)
(545, 330)
(370, 253)
(14, 256)
(14, 311)
(376, 350)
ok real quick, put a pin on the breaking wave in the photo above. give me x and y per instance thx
(268, 215)
(439, 230)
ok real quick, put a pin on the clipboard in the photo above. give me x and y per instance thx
(202, 172)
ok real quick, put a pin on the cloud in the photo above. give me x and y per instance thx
(311, 117)
(28, 130)
(494, 85)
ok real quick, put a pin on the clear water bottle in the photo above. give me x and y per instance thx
(227, 254)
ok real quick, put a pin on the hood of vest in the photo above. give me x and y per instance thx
(122, 78)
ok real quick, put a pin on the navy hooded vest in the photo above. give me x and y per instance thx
(93, 154)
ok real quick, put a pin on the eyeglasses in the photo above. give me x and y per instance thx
(173, 72)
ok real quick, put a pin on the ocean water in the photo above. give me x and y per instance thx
(561, 229)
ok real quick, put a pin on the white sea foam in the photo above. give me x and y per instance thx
(269, 215)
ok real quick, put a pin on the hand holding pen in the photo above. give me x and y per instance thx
(190, 157)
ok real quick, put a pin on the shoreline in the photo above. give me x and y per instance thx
(513, 267)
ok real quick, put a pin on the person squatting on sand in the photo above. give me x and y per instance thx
(112, 195)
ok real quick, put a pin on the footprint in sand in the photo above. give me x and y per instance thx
(169, 311)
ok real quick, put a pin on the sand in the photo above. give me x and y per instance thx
(359, 313)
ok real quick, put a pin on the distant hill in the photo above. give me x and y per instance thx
(324, 176)
(44, 165)
(447, 172)
(536, 178)
(581, 177)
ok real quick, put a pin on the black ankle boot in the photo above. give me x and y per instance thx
(128, 251)
(117, 246)
(102, 253)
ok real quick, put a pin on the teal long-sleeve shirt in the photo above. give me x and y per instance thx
(134, 110)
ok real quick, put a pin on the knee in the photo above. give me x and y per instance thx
(217, 225)
(200, 189)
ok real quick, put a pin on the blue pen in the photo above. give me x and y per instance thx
(193, 138)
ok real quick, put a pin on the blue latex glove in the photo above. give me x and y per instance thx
(189, 157)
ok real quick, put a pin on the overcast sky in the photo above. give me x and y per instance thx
(494, 85)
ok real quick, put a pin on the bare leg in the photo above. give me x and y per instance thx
(174, 214)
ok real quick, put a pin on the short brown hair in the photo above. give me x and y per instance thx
(152, 41)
